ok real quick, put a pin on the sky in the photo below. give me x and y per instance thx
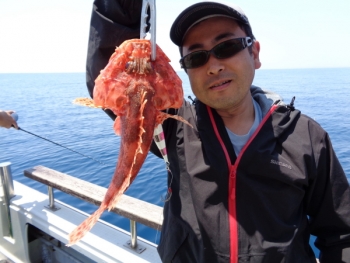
(52, 35)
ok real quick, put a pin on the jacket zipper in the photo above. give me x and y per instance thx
(232, 181)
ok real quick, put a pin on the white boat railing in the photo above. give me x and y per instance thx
(7, 193)
(35, 226)
(134, 209)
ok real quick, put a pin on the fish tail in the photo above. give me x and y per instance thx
(80, 231)
(162, 116)
(118, 192)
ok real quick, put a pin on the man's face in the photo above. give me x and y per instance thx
(222, 84)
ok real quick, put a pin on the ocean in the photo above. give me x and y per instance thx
(44, 105)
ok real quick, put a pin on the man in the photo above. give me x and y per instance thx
(254, 177)
(6, 120)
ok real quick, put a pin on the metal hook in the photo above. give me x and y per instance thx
(149, 4)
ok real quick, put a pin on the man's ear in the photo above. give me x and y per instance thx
(255, 54)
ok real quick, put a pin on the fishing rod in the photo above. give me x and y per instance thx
(15, 117)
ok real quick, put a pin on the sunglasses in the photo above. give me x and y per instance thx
(225, 49)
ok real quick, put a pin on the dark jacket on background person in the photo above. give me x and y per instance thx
(286, 184)
(112, 22)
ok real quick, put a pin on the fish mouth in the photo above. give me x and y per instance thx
(218, 84)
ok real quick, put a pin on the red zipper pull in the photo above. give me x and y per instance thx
(233, 183)
(232, 172)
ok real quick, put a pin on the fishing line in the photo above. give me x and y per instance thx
(61, 146)
(167, 196)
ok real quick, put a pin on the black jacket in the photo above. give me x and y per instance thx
(288, 182)
(112, 22)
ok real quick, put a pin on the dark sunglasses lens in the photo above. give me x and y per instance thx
(195, 59)
(228, 48)
(223, 50)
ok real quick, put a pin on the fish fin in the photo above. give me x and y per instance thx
(125, 184)
(115, 201)
(80, 231)
(117, 126)
(162, 116)
(85, 102)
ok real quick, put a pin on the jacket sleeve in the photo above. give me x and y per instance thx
(329, 206)
(112, 22)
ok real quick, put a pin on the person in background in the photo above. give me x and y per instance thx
(254, 177)
(6, 120)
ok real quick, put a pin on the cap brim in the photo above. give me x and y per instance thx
(197, 12)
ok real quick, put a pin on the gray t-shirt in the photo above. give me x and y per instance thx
(238, 141)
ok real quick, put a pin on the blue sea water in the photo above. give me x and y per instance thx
(44, 105)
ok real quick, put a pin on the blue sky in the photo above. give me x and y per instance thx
(51, 36)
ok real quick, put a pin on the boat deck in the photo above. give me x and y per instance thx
(39, 234)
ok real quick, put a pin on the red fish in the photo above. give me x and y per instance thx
(136, 89)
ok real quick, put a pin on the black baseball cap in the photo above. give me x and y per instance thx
(201, 11)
